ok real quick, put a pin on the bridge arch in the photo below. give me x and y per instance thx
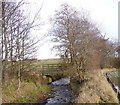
(49, 78)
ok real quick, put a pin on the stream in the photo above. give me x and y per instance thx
(62, 92)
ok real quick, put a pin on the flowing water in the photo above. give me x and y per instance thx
(62, 93)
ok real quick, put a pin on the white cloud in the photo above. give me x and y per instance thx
(103, 12)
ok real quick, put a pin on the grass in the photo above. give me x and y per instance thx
(40, 93)
(96, 89)
(28, 93)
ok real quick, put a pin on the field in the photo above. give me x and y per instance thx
(48, 61)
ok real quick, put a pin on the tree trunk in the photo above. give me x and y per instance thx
(5, 73)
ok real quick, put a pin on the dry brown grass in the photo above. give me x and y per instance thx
(96, 89)
(28, 93)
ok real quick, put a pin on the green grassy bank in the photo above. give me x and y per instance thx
(29, 92)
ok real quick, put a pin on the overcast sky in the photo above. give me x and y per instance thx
(103, 12)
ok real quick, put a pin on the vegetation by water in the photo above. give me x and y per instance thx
(34, 85)
(96, 89)
(29, 92)
(33, 88)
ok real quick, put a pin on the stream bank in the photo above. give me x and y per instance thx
(96, 89)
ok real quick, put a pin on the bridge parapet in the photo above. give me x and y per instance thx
(52, 69)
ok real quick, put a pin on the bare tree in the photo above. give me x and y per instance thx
(78, 39)
(17, 44)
